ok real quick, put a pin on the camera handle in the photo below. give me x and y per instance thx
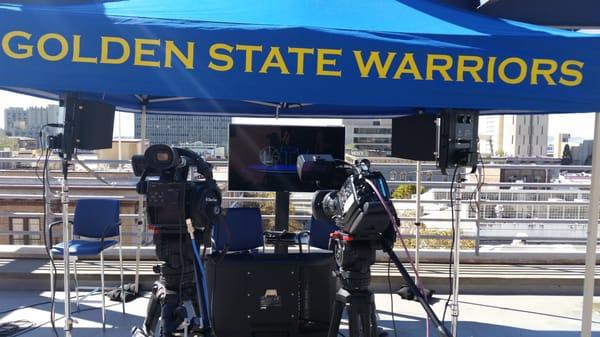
(442, 330)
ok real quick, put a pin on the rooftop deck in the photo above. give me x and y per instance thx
(480, 315)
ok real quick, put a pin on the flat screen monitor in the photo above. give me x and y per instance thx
(263, 157)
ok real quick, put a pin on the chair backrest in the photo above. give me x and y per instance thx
(319, 232)
(242, 230)
(93, 216)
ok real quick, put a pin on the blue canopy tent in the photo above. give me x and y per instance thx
(383, 56)
(294, 58)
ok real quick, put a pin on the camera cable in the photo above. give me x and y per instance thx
(46, 243)
(389, 280)
(451, 245)
(394, 220)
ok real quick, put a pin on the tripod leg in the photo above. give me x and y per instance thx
(354, 325)
(153, 310)
(374, 326)
(336, 318)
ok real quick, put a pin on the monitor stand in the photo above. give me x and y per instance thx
(282, 217)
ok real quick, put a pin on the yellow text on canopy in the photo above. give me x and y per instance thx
(291, 60)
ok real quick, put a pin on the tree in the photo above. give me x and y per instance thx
(405, 191)
(567, 157)
(7, 142)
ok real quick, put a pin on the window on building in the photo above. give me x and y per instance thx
(21, 225)
(376, 123)
(373, 131)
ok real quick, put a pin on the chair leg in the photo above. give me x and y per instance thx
(51, 282)
(102, 288)
(121, 267)
(76, 282)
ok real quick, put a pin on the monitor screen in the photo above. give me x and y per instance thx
(263, 157)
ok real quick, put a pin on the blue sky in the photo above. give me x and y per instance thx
(578, 125)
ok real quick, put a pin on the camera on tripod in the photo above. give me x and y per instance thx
(362, 209)
(171, 197)
(354, 205)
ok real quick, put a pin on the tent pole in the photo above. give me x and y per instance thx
(418, 220)
(120, 140)
(141, 228)
(592, 237)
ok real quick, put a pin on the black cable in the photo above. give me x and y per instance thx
(32, 328)
(12, 328)
(47, 244)
(389, 280)
(452, 245)
(216, 260)
(24, 307)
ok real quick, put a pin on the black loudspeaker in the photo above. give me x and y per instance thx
(87, 125)
(414, 137)
(458, 139)
(96, 125)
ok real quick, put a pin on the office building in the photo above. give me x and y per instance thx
(582, 153)
(176, 130)
(514, 135)
(373, 135)
(26, 122)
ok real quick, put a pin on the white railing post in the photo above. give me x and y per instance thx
(592, 238)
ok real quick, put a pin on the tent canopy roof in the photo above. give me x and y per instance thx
(391, 16)
(326, 58)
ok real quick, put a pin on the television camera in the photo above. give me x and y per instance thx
(362, 210)
(176, 205)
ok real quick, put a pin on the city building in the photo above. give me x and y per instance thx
(208, 151)
(582, 153)
(489, 135)
(26, 122)
(175, 130)
(373, 135)
(122, 149)
(560, 141)
(514, 135)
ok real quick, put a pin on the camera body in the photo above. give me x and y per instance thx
(354, 206)
(171, 197)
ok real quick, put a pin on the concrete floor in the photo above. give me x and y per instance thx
(480, 315)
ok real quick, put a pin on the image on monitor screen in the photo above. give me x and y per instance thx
(263, 157)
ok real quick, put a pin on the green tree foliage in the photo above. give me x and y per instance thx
(438, 239)
(405, 191)
(6, 142)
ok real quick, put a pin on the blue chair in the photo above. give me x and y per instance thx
(319, 233)
(241, 231)
(96, 219)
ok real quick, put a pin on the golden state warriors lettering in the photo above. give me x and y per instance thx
(294, 60)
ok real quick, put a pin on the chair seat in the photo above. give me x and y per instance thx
(83, 247)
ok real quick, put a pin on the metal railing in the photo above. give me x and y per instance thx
(488, 212)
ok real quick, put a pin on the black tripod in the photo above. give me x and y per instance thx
(178, 283)
(354, 257)
(354, 260)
